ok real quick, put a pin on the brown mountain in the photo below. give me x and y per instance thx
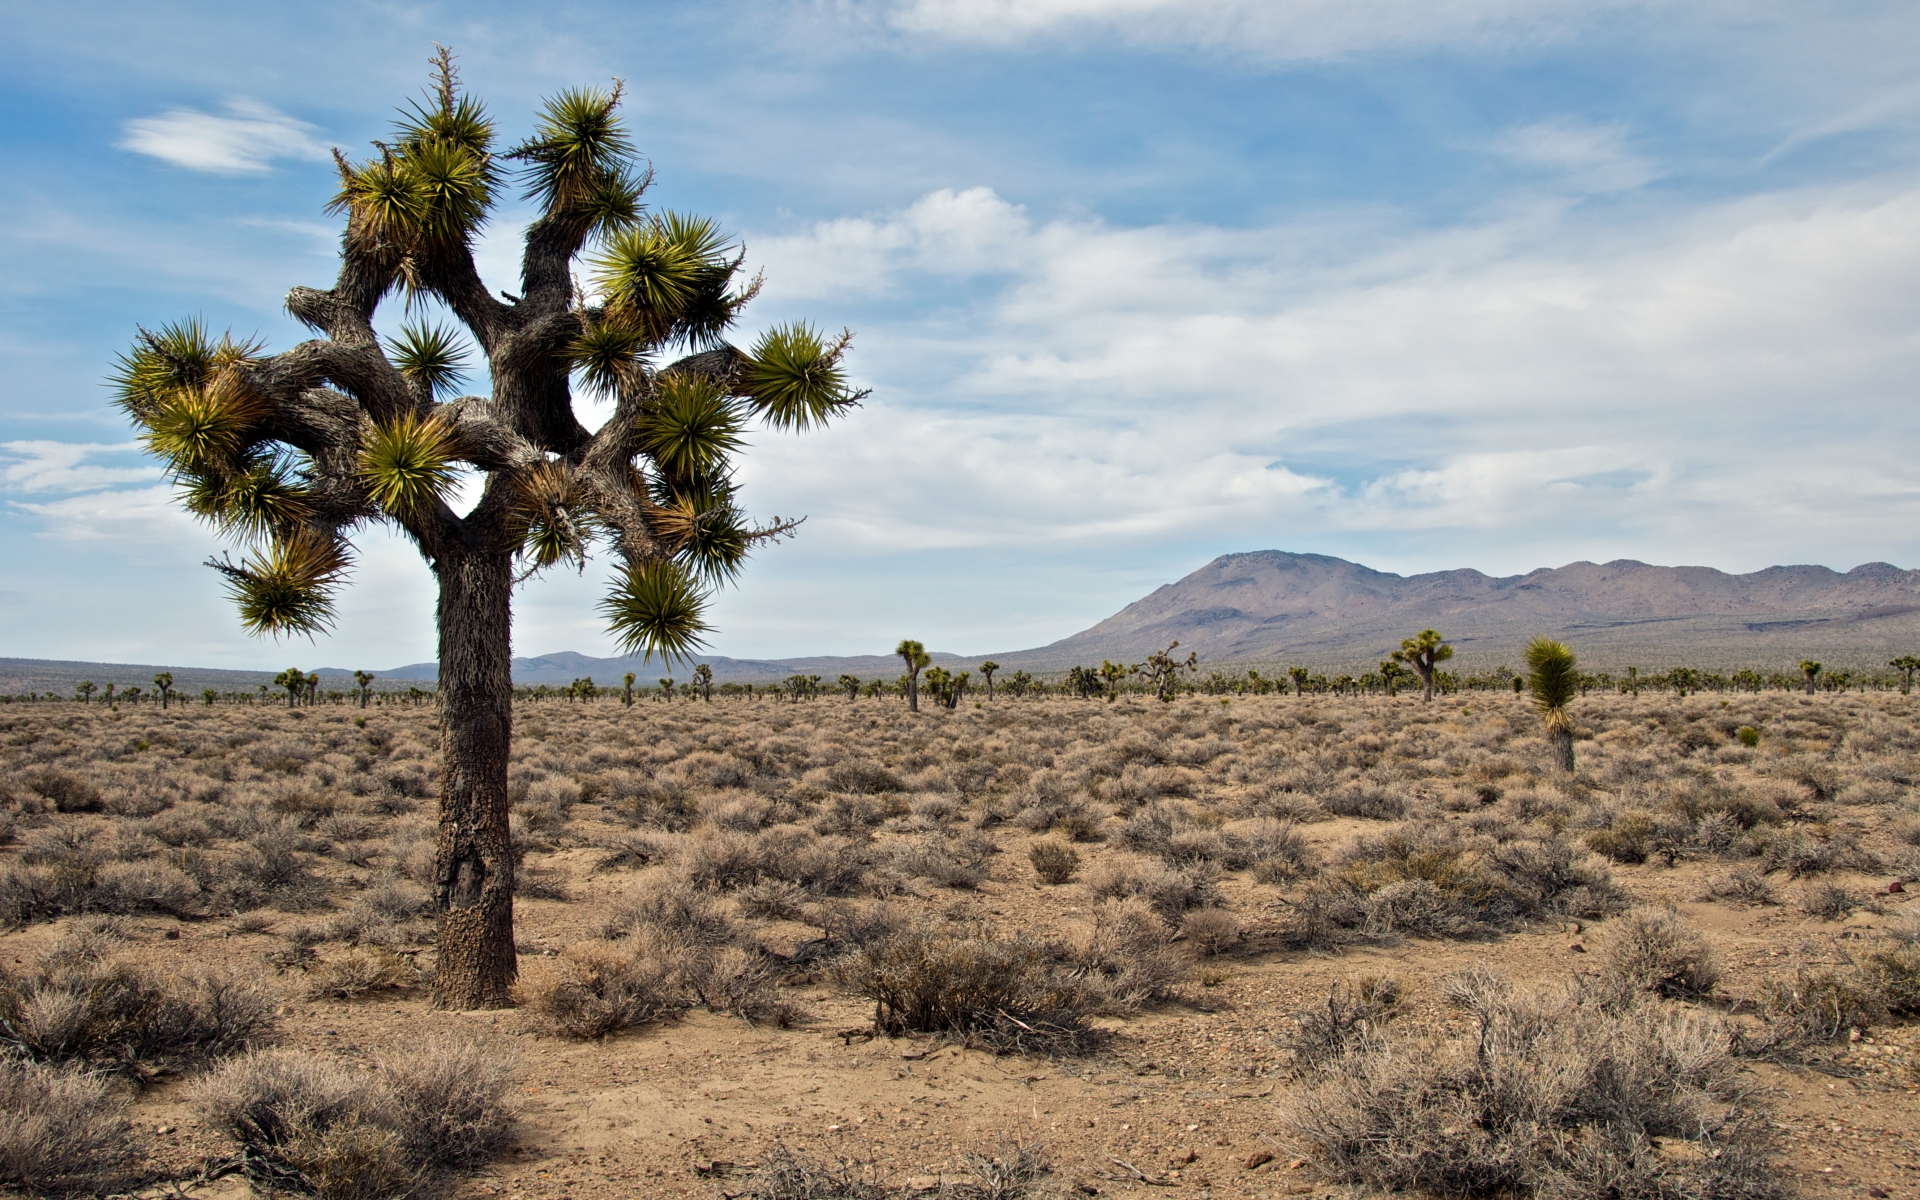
(1271, 607)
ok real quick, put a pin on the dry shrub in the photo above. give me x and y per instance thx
(1556, 1096)
(77, 1005)
(1008, 1174)
(1170, 890)
(61, 1131)
(1124, 957)
(347, 1134)
(1003, 992)
(1828, 901)
(1054, 862)
(1745, 885)
(1211, 931)
(1892, 972)
(605, 987)
(1352, 1016)
(1361, 798)
(1653, 950)
(359, 972)
(1811, 1010)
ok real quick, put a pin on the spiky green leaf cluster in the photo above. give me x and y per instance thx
(579, 160)
(432, 357)
(548, 516)
(428, 191)
(288, 588)
(656, 609)
(1553, 677)
(795, 378)
(669, 278)
(408, 464)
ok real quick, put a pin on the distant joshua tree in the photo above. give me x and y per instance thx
(1554, 678)
(626, 691)
(164, 683)
(86, 689)
(1421, 652)
(1299, 676)
(1909, 664)
(915, 656)
(851, 686)
(1162, 671)
(1810, 669)
(313, 690)
(294, 680)
(986, 672)
(364, 681)
(666, 688)
(1391, 673)
(703, 679)
(208, 696)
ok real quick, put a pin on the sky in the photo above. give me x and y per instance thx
(1424, 284)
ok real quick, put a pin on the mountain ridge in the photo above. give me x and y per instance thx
(1277, 607)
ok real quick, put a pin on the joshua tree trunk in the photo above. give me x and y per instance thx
(1561, 740)
(473, 865)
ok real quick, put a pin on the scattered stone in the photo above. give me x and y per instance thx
(1258, 1159)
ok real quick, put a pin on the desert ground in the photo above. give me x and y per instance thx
(1290, 946)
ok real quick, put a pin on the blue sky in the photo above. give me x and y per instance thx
(1423, 284)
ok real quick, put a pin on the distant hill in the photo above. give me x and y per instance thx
(1273, 608)
(1270, 606)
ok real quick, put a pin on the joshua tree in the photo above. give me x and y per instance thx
(986, 672)
(364, 681)
(86, 690)
(1554, 678)
(1162, 671)
(1391, 673)
(208, 695)
(1809, 668)
(851, 686)
(1421, 652)
(666, 688)
(626, 691)
(313, 690)
(163, 682)
(703, 679)
(1909, 664)
(915, 656)
(291, 452)
(1085, 682)
(937, 680)
(1633, 680)
(1018, 684)
(1299, 677)
(294, 680)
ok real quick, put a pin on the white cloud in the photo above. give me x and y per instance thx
(246, 141)
(1735, 379)
(45, 466)
(1588, 158)
(1288, 30)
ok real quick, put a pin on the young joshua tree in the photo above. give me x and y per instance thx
(986, 672)
(1422, 652)
(1908, 664)
(290, 453)
(626, 690)
(1810, 669)
(163, 683)
(295, 681)
(915, 656)
(1299, 677)
(703, 679)
(363, 680)
(1553, 677)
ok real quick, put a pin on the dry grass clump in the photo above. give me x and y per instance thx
(62, 1132)
(78, 1004)
(1431, 879)
(1352, 1017)
(318, 1125)
(1010, 1174)
(1001, 991)
(1652, 950)
(1211, 931)
(1123, 958)
(1171, 891)
(1054, 862)
(360, 972)
(1555, 1095)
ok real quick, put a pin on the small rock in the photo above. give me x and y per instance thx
(1877, 1193)
(1258, 1159)
(1186, 1155)
(1894, 889)
(923, 1183)
(1576, 948)
(1084, 1188)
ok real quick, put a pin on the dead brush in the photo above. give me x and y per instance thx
(314, 1124)
(63, 1132)
(1124, 958)
(360, 972)
(1211, 931)
(1652, 950)
(1352, 1017)
(1054, 862)
(1002, 992)
(1554, 1095)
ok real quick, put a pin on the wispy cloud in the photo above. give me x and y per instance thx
(66, 467)
(1584, 157)
(245, 141)
(1293, 30)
